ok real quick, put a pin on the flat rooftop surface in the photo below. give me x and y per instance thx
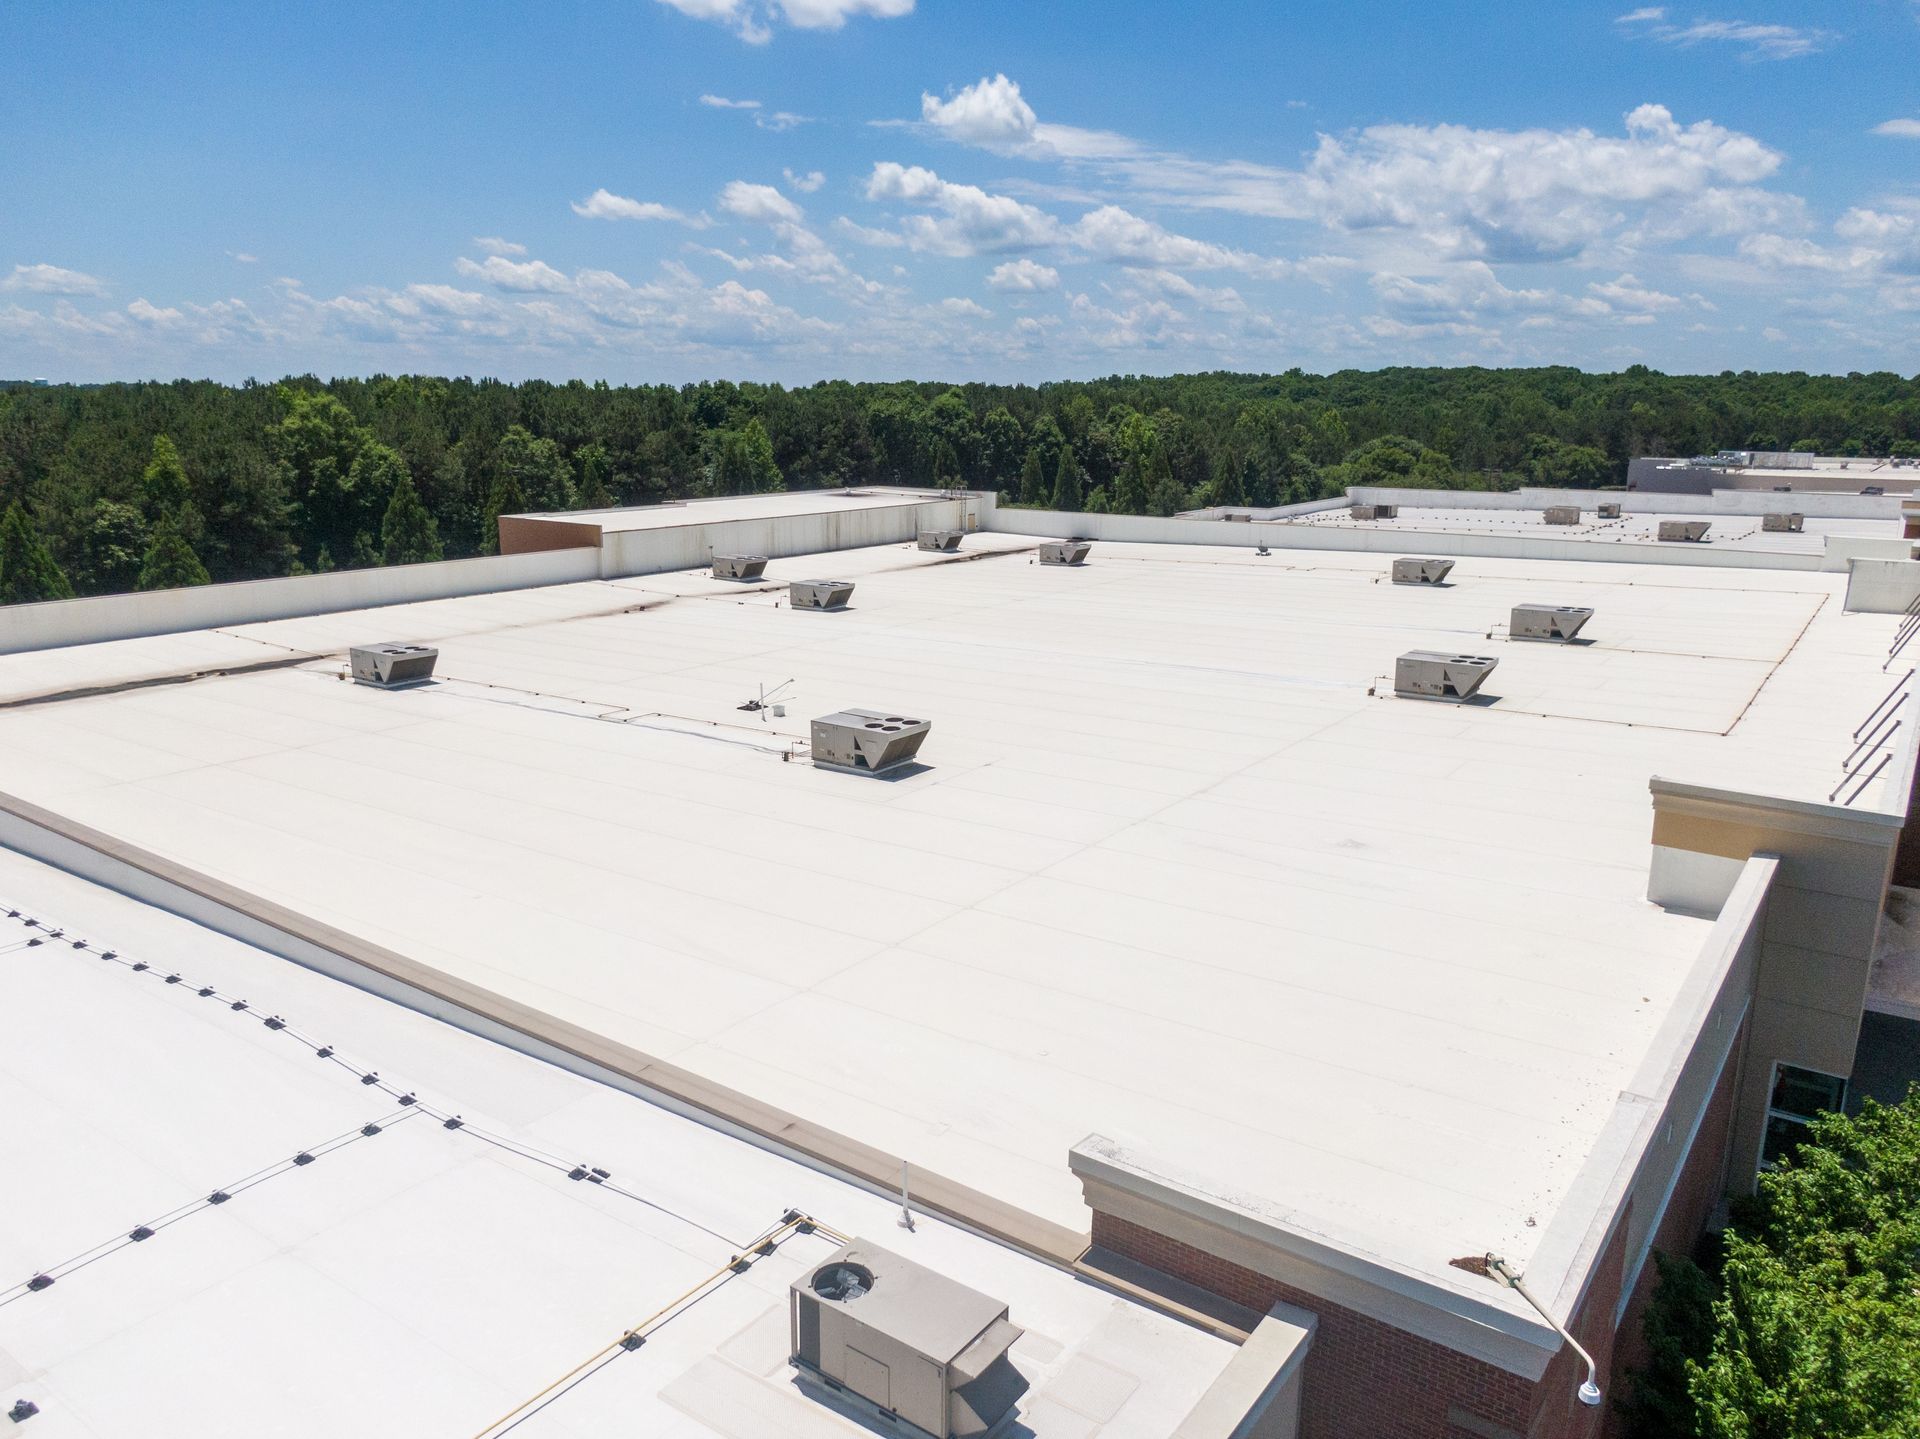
(737, 507)
(1742, 532)
(1178, 869)
(420, 1282)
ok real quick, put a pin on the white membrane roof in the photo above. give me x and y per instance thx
(1741, 532)
(736, 507)
(421, 1281)
(1176, 871)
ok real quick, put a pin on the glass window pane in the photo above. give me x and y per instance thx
(1805, 1092)
(1783, 1137)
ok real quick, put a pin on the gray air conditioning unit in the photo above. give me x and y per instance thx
(1608, 509)
(739, 567)
(867, 741)
(1562, 514)
(819, 594)
(925, 1350)
(1065, 552)
(1238, 519)
(1374, 512)
(1559, 623)
(1783, 524)
(1412, 571)
(1432, 674)
(1690, 531)
(942, 540)
(392, 667)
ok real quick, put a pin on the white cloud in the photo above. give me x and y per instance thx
(52, 280)
(494, 245)
(1024, 276)
(150, 314)
(753, 20)
(988, 112)
(760, 203)
(1111, 233)
(969, 220)
(241, 257)
(605, 205)
(1899, 129)
(1627, 293)
(806, 184)
(523, 276)
(969, 308)
(720, 102)
(1760, 41)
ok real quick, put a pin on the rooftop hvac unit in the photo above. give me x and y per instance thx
(927, 1351)
(1871, 489)
(1692, 531)
(1783, 524)
(1411, 571)
(1432, 674)
(1238, 519)
(1065, 552)
(867, 741)
(1608, 510)
(392, 667)
(1562, 514)
(739, 567)
(820, 594)
(1374, 512)
(1559, 623)
(945, 541)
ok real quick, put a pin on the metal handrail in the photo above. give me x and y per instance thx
(1882, 705)
(1867, 743)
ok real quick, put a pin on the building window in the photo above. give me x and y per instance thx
(1798, 1096)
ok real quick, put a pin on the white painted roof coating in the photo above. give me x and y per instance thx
(1729, 531)
(737, 507)
(420, 1281)
(1172, 873)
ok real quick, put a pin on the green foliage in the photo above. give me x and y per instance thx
(165, 482)
(261, 478)
(1815, 1330)
(1066, 482)
(408, 535)
(170, 561)
(28, 572)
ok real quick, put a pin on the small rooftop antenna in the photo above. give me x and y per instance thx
(766, 701)
(1499, 1269)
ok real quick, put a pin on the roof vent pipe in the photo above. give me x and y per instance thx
(1500, 1270)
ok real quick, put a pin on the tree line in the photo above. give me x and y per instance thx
(110, 488)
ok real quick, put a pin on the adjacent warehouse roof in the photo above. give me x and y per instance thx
(373, 1271)
(1177, 870)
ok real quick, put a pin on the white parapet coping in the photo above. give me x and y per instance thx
(1257, 1395)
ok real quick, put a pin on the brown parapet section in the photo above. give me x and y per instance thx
(932, 1193)
(520, 535)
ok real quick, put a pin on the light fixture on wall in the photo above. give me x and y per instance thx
(1499, 1269)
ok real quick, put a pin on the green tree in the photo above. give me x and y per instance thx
(505, 498)
(1033, 483)
(314, 446)
(1003, 446)
(171, 562)
(1066, 482)
(1228, 485)
(763, 475)
(164, 485)
(112, 541)
(596, 472)
(28, 572)
(408, 534)
(536, 468)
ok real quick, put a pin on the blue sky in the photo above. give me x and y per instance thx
(650, 190)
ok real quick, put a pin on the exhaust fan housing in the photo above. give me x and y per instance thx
(1562, 514)
(1783, 524)
(819, 594)
(1559, 623)
(1374, 512)
(1688, 531)
(867, 741)
(739, 567)
(1433, 674)
(1608, 510)
(945, 541)
(927, 1351)
(1414, 571)
(392, 667)
(1065, 552)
